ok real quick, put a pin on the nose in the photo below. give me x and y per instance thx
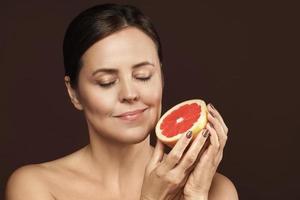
(128, 92)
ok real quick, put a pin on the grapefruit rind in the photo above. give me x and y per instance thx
(196, 128)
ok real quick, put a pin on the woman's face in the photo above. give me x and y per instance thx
(121, 73)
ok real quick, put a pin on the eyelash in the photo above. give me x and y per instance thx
(107, 85)
(144, 78)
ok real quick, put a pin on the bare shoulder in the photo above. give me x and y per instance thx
(28, 182)
(40, 181)
(222, 188)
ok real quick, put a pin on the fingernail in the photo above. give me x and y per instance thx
(189, 134)
(205, 133)
(212, 106)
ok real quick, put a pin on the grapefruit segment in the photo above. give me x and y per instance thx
(190, 115)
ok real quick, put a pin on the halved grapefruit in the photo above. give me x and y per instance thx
(190, 115)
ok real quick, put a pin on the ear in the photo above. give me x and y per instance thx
(72, 94)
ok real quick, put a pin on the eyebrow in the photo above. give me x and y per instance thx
(111, 70)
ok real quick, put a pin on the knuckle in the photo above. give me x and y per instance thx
(191, 159)
(225, 137)
(159, 173)
(174, 157)
(226, 129)
(173, 179)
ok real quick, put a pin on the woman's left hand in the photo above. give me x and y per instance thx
(201, 176)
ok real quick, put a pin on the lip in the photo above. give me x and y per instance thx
(134, 112)
(131, 115)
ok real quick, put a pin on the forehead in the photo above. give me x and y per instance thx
(125, 47)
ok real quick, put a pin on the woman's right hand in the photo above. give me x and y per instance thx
(165, 179)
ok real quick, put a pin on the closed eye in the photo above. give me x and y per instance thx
(144, 78)
(106, 85)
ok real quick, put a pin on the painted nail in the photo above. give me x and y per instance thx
(212, 106)
(189, 134)
(205, 133)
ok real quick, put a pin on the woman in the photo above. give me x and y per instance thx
(113, 74)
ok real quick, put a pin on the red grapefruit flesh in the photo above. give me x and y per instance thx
(190, 115)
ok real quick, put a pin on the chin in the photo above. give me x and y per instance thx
(135, 136)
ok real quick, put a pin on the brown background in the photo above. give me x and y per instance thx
(239, 56)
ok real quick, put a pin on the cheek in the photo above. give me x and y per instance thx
(152, 95)
(96, 102)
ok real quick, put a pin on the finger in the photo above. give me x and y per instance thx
(210, 155)
(176, 153)
(158, 152)
(214, 140)
(214, 150)
(215, 158)
(157, 156)
(219, 130)
(203, 149)
(191, 155)
(216, 114)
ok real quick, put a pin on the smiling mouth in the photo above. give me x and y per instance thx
(131, 116)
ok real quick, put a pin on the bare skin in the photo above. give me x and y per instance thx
(113, 165)
(69, 178)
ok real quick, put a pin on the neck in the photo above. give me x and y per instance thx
(119, 165)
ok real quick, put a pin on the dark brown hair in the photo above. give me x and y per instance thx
(95, 24)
